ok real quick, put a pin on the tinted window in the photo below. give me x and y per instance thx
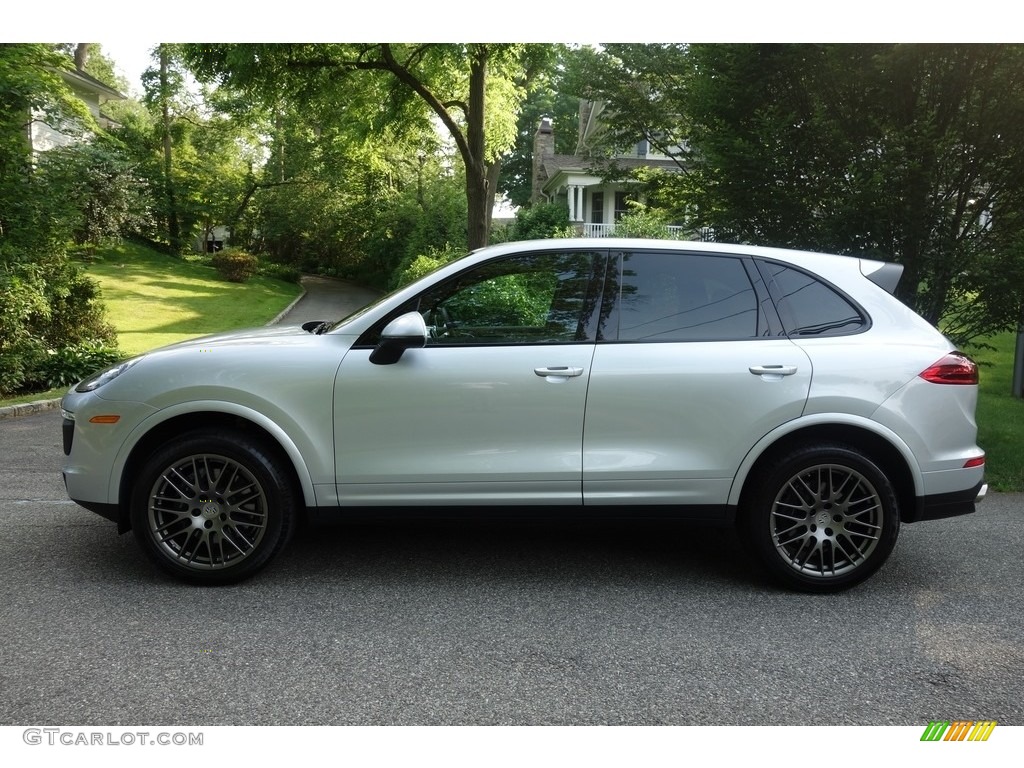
(534, 298)
(666, 296)
(809, 307)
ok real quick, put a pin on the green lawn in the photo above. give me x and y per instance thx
(153, 299)
(1000, 416)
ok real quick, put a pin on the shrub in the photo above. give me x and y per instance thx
(45, 305)
(641, 221)
(285, 272)
(72, 363)
(542, 220)
(235, 265)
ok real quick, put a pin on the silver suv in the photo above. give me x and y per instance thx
(788, 392)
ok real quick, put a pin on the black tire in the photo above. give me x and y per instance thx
(213, 508)
(821, 519)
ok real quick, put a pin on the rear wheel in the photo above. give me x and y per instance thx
(821, 519)
(213, 508)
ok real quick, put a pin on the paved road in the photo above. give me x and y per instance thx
(494, 623)
(327, 298)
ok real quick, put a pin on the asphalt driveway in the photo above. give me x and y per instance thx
(431, 623)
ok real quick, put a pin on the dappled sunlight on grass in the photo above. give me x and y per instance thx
(153, 299)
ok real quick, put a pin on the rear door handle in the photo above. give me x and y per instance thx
(773, 370)
(561, 371)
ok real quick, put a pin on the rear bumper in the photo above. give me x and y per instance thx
(941, 505)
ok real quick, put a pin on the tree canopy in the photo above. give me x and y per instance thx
(473, 90)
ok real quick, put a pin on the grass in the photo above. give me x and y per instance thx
(153, 299)
(50, 394)
(1000, 416)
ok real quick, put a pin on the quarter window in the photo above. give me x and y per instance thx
(671, 296)
(809, 307)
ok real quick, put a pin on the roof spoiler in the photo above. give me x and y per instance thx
(885, 274)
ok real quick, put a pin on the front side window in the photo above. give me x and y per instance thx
(671, 296)
(539, 298)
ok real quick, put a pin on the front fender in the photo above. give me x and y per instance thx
(191, 408)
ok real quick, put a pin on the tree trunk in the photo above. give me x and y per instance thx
(479, 198)
(173, 228)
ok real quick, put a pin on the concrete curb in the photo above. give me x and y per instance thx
(290, 307)
(27, 409)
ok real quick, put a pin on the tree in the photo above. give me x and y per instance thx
(902, 152)
(545, 98)
(105, 197)
(474, 90)
(46, 303)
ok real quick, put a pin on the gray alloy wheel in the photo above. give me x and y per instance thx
(213, 508)
(826, 520)
(207, 511)
(823, 518)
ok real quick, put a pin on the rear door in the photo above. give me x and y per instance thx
(690, 371)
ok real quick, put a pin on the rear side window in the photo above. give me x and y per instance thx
(672, 296)
(808, 306)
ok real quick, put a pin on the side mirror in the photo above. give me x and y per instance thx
(408, 331)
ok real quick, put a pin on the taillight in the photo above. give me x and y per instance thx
(954, 368)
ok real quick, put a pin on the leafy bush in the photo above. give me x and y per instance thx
(46, 305)
(72, 363)
(641, 221)
(284, 272)
(541, 221)
(235, 265)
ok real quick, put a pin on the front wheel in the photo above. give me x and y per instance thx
(212, 508)
(821, 519)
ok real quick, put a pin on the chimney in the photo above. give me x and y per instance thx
(543, 147)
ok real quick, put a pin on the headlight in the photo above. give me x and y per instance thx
(97, 380)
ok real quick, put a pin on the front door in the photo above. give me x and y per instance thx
(490, 411)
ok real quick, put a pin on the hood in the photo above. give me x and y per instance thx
(262, 335)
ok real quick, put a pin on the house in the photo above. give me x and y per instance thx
(576, 181)
(93, 93)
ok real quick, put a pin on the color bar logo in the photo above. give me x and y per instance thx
(958, 730)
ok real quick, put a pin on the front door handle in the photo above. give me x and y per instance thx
(773, 370)
(559, 371)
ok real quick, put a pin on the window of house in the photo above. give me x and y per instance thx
(597, 207)
(620, 205)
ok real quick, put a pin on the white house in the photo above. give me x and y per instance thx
(93, 93)
(594, 204)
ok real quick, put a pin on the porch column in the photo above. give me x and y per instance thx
(575, 196)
